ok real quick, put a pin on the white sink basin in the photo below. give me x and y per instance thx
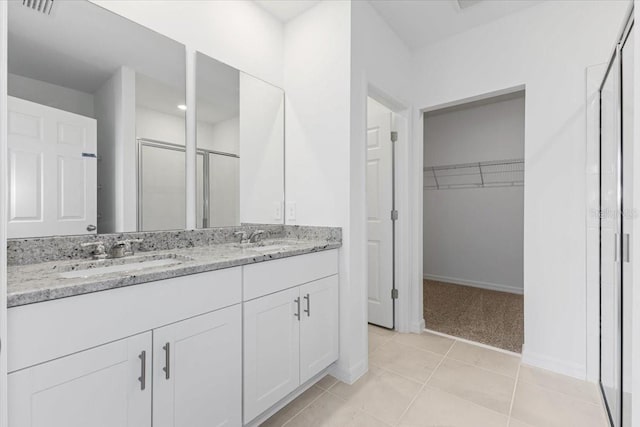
(120, 265)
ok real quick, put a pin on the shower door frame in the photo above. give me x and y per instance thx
(615, 67)
(147, 142)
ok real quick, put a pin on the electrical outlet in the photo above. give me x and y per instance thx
(277, 211)
(291, 211)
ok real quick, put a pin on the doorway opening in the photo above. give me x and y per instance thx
(473, 223)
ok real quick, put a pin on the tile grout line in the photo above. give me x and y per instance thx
(425, 383)
(569, 395)
(306, 406)
(513, 394)
(472, 342)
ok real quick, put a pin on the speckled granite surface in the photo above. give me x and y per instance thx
(37, 266)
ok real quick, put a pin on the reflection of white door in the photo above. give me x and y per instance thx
(379, 205)
(52, 182)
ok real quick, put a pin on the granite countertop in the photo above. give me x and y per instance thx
(33, 283)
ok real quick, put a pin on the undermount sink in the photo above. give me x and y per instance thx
(268, 248)
(266, 245)
(120, 265)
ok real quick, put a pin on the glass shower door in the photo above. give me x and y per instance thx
(610, 242)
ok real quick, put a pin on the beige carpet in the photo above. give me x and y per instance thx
(489, 317)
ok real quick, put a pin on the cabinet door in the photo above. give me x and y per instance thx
(319, 326)
(271, 350)
(197, 371)
(107, 386)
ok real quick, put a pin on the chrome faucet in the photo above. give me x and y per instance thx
(248, 238)
(255, 235)
(123, 248)
(99, 251)
(243, 236)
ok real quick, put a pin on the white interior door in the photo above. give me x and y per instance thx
(379, 205)
(197, 371)
(52, 171)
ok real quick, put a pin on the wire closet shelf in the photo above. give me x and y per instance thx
(499, 173)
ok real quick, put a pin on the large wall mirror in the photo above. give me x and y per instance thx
(86, 86)
(97, 130)
(240, 147)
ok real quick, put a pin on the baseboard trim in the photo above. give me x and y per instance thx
(349, 375)
(475, 284)
(417, 327)
(538, 360)
(257, 421)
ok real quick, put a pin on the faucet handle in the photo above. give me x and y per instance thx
(242, 235)
(254, 235)
(99, 251)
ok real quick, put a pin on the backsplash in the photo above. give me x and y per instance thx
(57, 248)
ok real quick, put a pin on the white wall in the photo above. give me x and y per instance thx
(261, 150)
(478, 132)
(223, 136)
(153, 124)
(333, 53)
(63, 98)
(114, 105)
(474, 236)
(546, 48)
(236, 32)
(317, 86)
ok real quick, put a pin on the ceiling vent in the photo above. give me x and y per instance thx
(42, 6)
(464, 4)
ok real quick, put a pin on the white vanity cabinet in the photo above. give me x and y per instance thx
(106, 386)
(79, 375)
(197, 371)
(290, 335)
(187, 351)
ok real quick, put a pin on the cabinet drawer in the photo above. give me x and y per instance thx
(273, 276)
(52, 329)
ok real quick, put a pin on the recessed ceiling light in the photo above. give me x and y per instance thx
(182, 107)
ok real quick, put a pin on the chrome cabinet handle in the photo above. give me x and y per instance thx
(91, 227)
(297, 313)
(143, 370)
(167, 360)
(308, 310)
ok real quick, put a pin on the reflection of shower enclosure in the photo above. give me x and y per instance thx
(162, 190)
(218, 189)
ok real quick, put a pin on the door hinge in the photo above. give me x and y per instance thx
(394, 215)
(394, 294)
(394, 136)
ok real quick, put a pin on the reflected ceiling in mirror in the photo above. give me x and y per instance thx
(240, 147)
(87, 88)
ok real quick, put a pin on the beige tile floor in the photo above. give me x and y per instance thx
(430, 380)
